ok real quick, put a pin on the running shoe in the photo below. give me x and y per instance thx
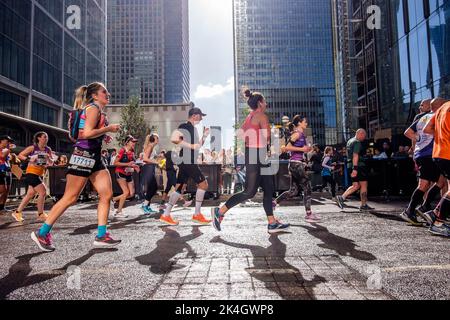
(168, 220)
(42, 216)
(120, 215)
(187, 204)
(44, 243)
(148, 210)
(106, 241)
(428, 216)
(410, 218)
(311, 217)
(217, 218)
(17, 216)
(277, 227)
(442, 230)
(340, 202)
(199, 218)
(365, 208)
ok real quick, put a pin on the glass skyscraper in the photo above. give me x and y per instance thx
(414, 64)
(44, 57)
(148, 51)
(284, 49)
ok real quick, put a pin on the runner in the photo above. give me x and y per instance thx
(298, 146)
(357, 171)
(86, 163)
(6, 145)
(256, 133)
(187, 137)
(39, 156)
(439, 126)
(171, 173)
(150, 184)
(328, 166)
(428, 171)
(125, 166)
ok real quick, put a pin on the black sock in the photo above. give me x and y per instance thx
(443, 208)
(432, 194)
(416, 198)
(2, 206)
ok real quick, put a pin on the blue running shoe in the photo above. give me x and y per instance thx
(442, 230)
(148, 210)
(277, 227)
(216, 218)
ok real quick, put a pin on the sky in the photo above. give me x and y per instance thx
(211, 62)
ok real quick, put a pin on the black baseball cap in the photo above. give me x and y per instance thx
(6, 137)
(195, 111)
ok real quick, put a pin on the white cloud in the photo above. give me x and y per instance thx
(213, 90)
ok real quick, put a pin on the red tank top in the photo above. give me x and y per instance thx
(253, 134)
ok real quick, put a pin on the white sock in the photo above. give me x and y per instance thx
(199, 200)
(172, 201)
(146, 203)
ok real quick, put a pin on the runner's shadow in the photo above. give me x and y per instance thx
(113, 225)
(342, 246)
(387, 216)
(271, 268)
(18, 276)
(167, 248)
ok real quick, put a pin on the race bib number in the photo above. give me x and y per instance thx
(82, 161)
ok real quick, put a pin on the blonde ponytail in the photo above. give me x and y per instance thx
(80, 98)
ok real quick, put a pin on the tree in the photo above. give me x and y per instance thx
(133, 123)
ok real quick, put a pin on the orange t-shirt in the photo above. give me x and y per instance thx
(441, 148)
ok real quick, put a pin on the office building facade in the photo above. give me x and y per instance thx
(284, 49)
(48, 48)
(148, 51)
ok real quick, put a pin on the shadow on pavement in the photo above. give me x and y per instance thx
(387, 216)
(269, 264)
(342, 246)
(114, 224)
(168, 247)
(18, 276)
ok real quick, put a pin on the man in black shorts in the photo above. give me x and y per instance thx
(357, 170)
(187, 138)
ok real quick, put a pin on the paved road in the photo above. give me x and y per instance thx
(349, 255)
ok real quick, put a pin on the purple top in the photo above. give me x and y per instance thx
(299, 143)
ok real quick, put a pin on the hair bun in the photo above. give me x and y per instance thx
(248, 93)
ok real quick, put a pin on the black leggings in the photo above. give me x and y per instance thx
(329, 180)
(253, 180)
(150, 184)
(171, 180)
(299, 181)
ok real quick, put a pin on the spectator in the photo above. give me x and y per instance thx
(401, 153)
(387, 149)
(62, 161)
(105, 157)
(113, 156)
(316, 166)
(228, 172)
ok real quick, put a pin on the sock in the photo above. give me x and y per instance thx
(101, 231)
(199, 200)
(45, 229)
(163, 202)
(146, 203)
(172, 201)
(416, 198)
(2, 206)
(432, 194)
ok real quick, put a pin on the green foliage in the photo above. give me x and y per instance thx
(133, 123)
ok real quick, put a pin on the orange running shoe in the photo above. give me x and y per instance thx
(168, 220)
(199, 218)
